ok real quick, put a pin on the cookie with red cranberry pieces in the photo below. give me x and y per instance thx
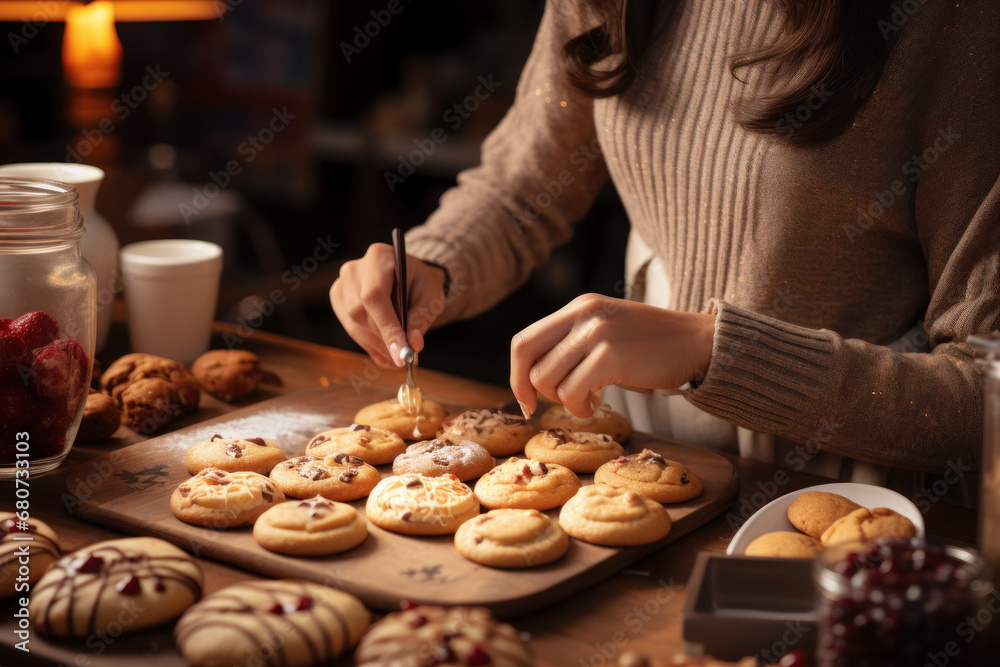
(461, 636)
(256, 622)
(653, 476)
(234, 454)
(32, 540)
(145, 579)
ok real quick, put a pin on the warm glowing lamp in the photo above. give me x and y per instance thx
(92, 53)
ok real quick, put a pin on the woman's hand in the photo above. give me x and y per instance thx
(362, 300)
(597, 341)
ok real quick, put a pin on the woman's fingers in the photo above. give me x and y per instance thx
(549, 370)
(376, 296)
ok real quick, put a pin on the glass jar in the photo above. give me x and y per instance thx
(902, 603)
(48, 306)
(989, 502)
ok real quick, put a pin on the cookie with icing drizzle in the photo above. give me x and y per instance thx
(373, 445)
(465, 460)
(144, 579)
(311, 527)
(392, 416)
(215, 498)
(604, 420)
(460, 636)
(31, 539)
(421, 505)
(335, 476)
(285, 622)
(233, 454)
(614, 516)
(577, 450)
(653, 476)
(511, 538)
(501, 434)
(527, 484)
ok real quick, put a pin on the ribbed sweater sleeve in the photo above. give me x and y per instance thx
(898, 408)
(540, 171)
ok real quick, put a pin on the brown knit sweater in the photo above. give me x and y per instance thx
(813, 257)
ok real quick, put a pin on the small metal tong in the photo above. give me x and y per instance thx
(409, 395)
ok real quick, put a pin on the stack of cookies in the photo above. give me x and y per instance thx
(827, 519)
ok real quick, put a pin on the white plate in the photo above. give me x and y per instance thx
(774, 515)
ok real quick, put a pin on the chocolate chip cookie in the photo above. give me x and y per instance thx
(335, 476)
(527, 484)
(577, 450)
(150, 391)
(372, 445)
(228, 374)
(604, 420)
(651, 475)
(465, 460)
(233, 454)
(499, 433)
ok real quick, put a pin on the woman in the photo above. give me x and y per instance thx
(815, 207)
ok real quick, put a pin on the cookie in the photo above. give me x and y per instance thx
(392, 416)
(228, 374)
(101, 418)
(614, 516)
(419, 505)
(815, 511)
(313, 527)
(284, 622)
(511, 538)
(335, 476)
(864, 524)
(526, 484)
(233, 454)
(374, 446)
(215, 498)
(32, 540)
(499, 433)
(785, 544)
(461, 636)
(144, 579)
(577, 450)
(150, 391)
(465, 460)
(651, 475)
(604, 420)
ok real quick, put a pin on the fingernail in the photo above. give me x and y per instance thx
(417, 341)
(595, 402)
(394, 353)
(525, 410)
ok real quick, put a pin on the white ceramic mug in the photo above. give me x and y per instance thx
(171, 288)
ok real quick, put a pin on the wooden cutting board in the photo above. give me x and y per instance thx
(130, 488)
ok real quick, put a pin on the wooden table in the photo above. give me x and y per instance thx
(639, 609)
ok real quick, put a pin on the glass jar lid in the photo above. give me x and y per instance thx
(36, 210)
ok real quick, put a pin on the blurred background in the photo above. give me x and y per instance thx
(266, 125)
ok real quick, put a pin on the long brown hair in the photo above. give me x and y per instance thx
(834, 49)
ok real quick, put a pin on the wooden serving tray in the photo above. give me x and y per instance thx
(130, 488)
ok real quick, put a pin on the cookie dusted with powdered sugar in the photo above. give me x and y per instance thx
(421, 505)
(373, 445)
(89, 591)
(461, 636)
(577, 450)
(31, 539)
(465, 460)
(653, 476)
(335, 476)
(499, 433)
(215, 498)
(233, 454)
(284, 622)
